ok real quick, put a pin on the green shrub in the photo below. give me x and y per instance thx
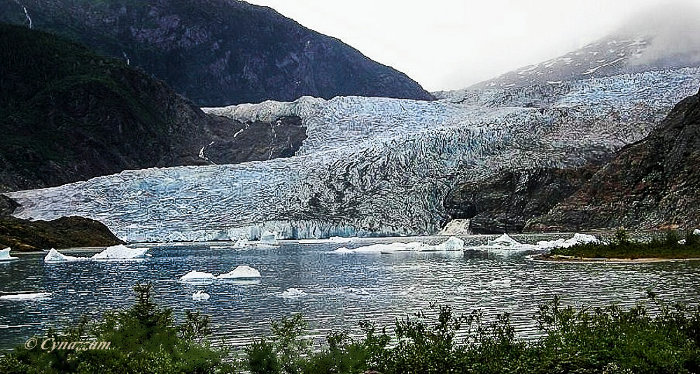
(143, 339)
(597, 340)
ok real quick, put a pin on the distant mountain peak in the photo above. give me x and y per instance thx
(666, 37)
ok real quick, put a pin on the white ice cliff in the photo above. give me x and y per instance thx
(372, 166)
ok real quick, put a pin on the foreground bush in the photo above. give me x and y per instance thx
(142, 339)
(649, 338)
(598, 340)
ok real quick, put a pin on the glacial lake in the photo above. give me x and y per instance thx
(339, 290)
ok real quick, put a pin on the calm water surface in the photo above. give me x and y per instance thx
(339, 290)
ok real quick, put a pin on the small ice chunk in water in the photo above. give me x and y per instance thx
(241, 243)
(54, 257)
(500, 282)
(504, 241)
(293, 293)
(339, 239)
(268, 238)
(27, 296)
(561, 243)
(197, 276)
(200, 296)
(5, 255)
(696, 232)
(451, 244)
(241, 272)
(120, 252)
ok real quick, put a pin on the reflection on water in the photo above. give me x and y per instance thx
(331, 290)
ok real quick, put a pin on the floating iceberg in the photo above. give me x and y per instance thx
(451, 244)
(292, 293)
(504, 244)
(5, 255)
(200, 296)
(561, 243)
(120, 252)
(27, 296)
(332, 239)
(197, 276)
(55, 257)
(339, 239)
(500, 282)
(504, 241)
(241, 272)
(241, 243)
(269, 238)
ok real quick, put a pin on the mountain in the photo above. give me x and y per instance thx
(67, 114)
(651, 184)
(661, 38)
(382, 166)
(217, 52)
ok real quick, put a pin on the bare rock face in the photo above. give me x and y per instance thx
(70, 115)
(507, 201)
(65, 232)
(218, 52)
(651, 184)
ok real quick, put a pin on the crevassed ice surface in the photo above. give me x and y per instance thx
(372, 166)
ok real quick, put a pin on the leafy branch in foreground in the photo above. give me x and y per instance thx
(648, 338)
(142, 339)
(661, 339)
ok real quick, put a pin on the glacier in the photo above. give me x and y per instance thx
(372, 166)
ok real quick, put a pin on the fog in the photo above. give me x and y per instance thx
(450, 44)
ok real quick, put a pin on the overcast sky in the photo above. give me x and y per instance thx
(450, 44)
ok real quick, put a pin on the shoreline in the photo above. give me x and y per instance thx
(560, 259)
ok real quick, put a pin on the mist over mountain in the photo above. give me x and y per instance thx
(217, 52)
(666, 37)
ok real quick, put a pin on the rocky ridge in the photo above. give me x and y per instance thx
(217, 52)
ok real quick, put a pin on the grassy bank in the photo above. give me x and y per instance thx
(671, 245)
(649, 338)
